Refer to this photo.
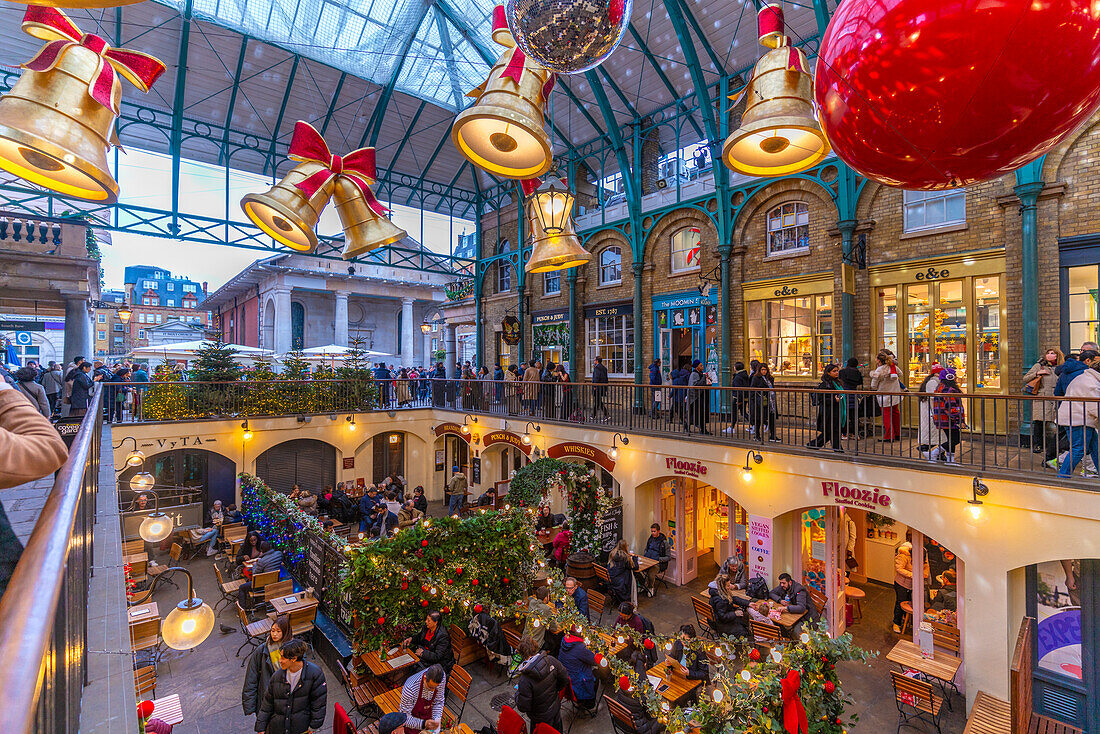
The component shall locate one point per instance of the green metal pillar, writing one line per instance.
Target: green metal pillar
(1029, 232)
(725, 376)
(521, 292)
(571, 278)
(479, 318)
(639, 320)
(847, 300)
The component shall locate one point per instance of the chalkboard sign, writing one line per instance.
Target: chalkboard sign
(314, 564)
(475, 470)
(610, 531)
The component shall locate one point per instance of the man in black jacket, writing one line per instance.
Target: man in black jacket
(599, 393)
(656, 547)
(432, 644)
(296, 698)
(794, 598)
(540, 680)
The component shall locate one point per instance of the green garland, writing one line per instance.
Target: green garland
(278, 519)
(447, 564)
(532, 484)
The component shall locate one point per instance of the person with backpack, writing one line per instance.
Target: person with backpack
(677, 411)
(1081, 380)
(699, 398)
(540, 679)
(949, 416)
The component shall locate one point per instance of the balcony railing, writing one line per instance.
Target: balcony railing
(990, 432)
(43, 638)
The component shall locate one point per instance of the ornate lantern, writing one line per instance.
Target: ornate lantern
(554, 244)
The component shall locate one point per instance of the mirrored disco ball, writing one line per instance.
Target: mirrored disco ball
(568, 36)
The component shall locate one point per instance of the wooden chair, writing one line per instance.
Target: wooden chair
(254, 632)
(704, 616)
(145, 635)
(765, 635)
(989, 715)
(260, 581)
(187, 545)
(234, 536)
(145, 681)
(228, 588)
(596, 602)
(361, 691)
(301, 622)
(915, 700)
(622, 721)
(602, 575)
(465, 648)
(130, 547)
(277, 589)
(907, 608)
(571, 698)
(138, 572)
(819, 600)
(458, 687)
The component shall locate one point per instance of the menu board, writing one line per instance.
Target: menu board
(314, 563)
(610, 531)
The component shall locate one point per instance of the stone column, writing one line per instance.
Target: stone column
(426, 358)
(281, 327)
(407, 331)
(78, 330)
(451, 347)
(340, 335)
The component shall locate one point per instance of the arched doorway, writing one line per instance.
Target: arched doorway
(211, 473)
(388, 456)
(306, 462)
(297, 325)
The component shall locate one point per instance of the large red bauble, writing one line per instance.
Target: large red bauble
(929, 94)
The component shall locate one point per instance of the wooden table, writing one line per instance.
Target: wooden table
(678, 687)
(390, 701)
(645, 563)
(379, 667)
(284, 607)
(941, 665)
(786, 620)
(142, 612)
(168, 709)
(135, 558)
(615, 647)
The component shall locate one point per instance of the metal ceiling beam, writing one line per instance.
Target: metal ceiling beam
(178, 104)
(618, 93)
(332, 104)
(702, 91)
(282, 111)
(663, 77)
(449, 56)
(427, 167)
(633, 197)
(715, 59)
(408, 133)
(374, 126)
(224, 155)
(821, 12)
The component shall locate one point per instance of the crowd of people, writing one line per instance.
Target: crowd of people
(61, 392)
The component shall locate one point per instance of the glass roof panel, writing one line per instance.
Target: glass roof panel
(366, 37)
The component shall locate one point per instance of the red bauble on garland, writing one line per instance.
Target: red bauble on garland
(478, 609)
(145, 709)
(624, 682)
(754, 654)
(423, 602)
(474, 582)
(829, 686)
(922, 94)
(648, 643)
(424, 543)
(381, 621)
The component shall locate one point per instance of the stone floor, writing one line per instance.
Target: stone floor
(209, 678)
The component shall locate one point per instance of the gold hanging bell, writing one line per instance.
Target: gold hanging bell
(285, 213)
(53, 134)
(364, 229)
(554, 243)
(779, 131)
(504, 132)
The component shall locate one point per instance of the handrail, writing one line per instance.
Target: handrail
(31, 605)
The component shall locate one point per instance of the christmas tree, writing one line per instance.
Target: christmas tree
(215, 363)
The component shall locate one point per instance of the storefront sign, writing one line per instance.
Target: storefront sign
(681, 302)
(349, 462)
(868, 499)
(760, 547)
(786, 291)
(509, 330)
(451, 429)
(582, 451)
(506, 437)
(933, 274)
(686, 468)
(544, 318)
(183, 517)
(621, 309)
(16, 325)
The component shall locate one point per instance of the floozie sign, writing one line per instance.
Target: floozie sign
(868, 499)
(760, 547)
(686, 468)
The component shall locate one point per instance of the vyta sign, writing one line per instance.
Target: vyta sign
(868, 499)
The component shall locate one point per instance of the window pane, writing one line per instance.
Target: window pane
(950, 330)
(1082, 279)
(788, 228)
(1058, 607)
(987, 323)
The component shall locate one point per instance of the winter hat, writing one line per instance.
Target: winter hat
(696, 363)
(947, 375)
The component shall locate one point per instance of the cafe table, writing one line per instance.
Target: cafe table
(142, 612)
(301, 600)
(645, 563)
(942, 666)
(676, 688)
(168, 709)
(381, 668)
(135, 558)
(390, 701)
(615, 647)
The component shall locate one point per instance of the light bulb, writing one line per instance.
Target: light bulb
(719, 652)
(247, 435)
(746, 475)
(536, 623)
(188, 626)
(155, 528)
(135, 458)
(718, 695)
(465, 429)
(975, 511)
(777, 656)
(805, 637)
(620, 639)
(527, 439)
(351, 426)
(746, 675)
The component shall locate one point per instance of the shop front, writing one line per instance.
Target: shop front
(686, 325)
(1079, 271)
(503, 455)
(789, 324)
(592, 457)
(452, 453)
(550, 330)
(949, 310)
(609, 333)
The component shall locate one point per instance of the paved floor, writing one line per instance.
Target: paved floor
(209, 678)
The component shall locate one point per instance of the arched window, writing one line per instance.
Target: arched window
(685, 250)
(789, 228)
(504, 268)
(611, 265)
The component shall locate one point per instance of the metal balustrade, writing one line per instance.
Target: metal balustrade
(996, 432)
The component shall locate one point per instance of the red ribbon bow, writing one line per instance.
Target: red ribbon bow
(358, 166)
(794, 713)
(61, 34)
(518, 62)
(529, 185)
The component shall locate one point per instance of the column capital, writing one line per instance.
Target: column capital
(340, 293)
(406, 301)
(281, 288)
(847, 226)
(1028, 193)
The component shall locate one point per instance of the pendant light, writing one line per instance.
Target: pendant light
(156, 526)
(554, 243)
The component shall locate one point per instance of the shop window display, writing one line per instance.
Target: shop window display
(685, 250)
(1082, 298)
(1058, 608)
(813, 549)
(788, 228)
(793, 335)
(612, 337)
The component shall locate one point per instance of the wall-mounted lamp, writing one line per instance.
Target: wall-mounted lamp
(156, 526)
(125, 313)
(527, 432)
(247, 435)
(746, 471)
(425, 327)
(974, 505)
(466, 420)
(142, 482)
(614, 454)
(395, 438)
(190, 622)
(135, 457)
(351, 422)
